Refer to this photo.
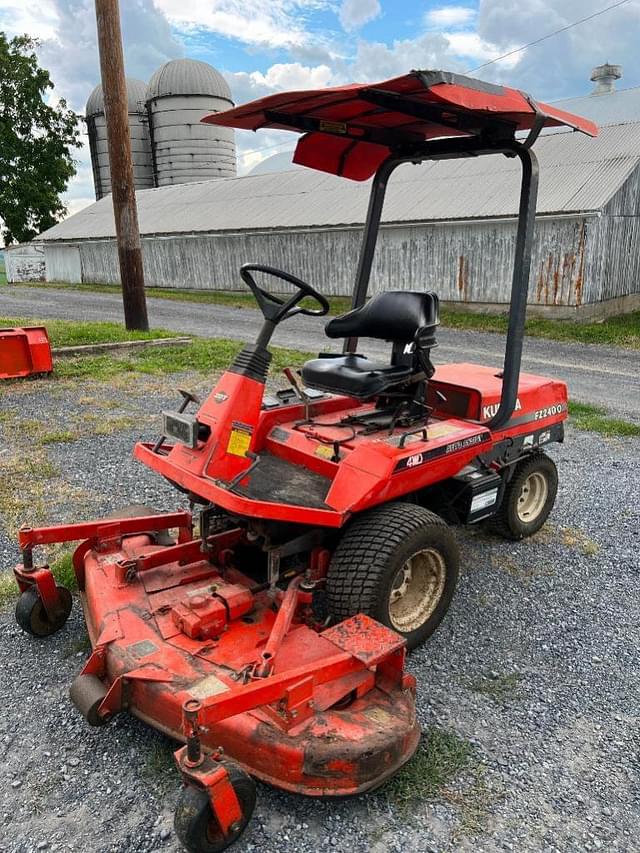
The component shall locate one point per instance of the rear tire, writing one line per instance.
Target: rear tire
(397, 563)
(528, 498)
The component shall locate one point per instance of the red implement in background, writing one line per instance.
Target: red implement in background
(24, 352)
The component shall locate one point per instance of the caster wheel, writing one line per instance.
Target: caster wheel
(33, 618)
(87, 693)
(195, 822)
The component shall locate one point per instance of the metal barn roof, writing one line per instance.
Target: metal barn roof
(578, 175)
(622, 105)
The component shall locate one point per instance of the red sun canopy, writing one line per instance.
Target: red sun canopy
(351, 130)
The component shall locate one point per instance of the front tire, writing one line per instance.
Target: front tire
(34, 619)
(397, 563)
(528, 498)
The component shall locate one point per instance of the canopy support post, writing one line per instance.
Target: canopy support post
(519, 286)
(369, 239)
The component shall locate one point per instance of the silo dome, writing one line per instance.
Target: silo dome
(178, 96)
(138, 130)
(188, 77)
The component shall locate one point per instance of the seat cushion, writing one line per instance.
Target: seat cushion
(396, 315)
(353, 375)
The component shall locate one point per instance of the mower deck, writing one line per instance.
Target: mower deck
(299, 740)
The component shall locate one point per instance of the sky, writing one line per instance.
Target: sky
(265, 46)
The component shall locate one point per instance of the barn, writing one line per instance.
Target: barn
(447, 226)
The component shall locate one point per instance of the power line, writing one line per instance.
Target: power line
(548, 36)
(265, 148)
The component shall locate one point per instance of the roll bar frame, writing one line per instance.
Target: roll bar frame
(454, 148)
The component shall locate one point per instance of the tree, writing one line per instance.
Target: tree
(36, 143)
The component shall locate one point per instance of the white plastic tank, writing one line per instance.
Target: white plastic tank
(179, 95)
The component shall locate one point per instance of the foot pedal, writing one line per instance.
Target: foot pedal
(364, 638)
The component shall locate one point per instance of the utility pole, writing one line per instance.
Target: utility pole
(122, 187)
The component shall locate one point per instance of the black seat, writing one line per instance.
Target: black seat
(405, 318)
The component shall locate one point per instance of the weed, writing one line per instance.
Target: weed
(64, 572)
(80, 644)
(441, 756)
(8, 588)
(498, 688)
(574, 538)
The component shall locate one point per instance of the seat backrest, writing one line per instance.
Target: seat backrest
(392, 316)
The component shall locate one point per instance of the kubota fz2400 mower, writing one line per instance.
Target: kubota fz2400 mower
(272, 642)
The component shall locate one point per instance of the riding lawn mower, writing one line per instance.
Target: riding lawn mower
(266, 628)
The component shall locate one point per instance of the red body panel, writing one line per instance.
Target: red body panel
(24, 352)
(373, 468)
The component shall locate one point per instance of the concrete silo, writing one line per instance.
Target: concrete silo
(179, 94)
(140, 141)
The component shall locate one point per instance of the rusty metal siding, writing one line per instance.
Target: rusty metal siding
(463, 262)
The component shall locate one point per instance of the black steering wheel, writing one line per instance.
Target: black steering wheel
(273, 307)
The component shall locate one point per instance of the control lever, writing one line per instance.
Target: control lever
(300, 393)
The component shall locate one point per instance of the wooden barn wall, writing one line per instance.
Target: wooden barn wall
(616, 270)
(463, 262)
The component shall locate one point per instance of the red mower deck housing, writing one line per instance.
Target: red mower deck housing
(332, 712)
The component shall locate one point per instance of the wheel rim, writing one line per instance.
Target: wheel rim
(417, 588)
(533, 497)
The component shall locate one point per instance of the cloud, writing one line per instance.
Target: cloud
(559, 66)
(67, 29)
(354, 13)
(264, 23)
(449, 16)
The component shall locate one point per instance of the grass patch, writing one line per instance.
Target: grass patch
(62, 570)
(202, 356)
(524, 574)
(67, 333)
(61, 436)
(498, 688)
(81, 644)
(8, 588)
(595, 419)
(159, 766)
(621, 331)
(445, 767)
(442, 755)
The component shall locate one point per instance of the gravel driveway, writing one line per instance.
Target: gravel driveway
(536, 665)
